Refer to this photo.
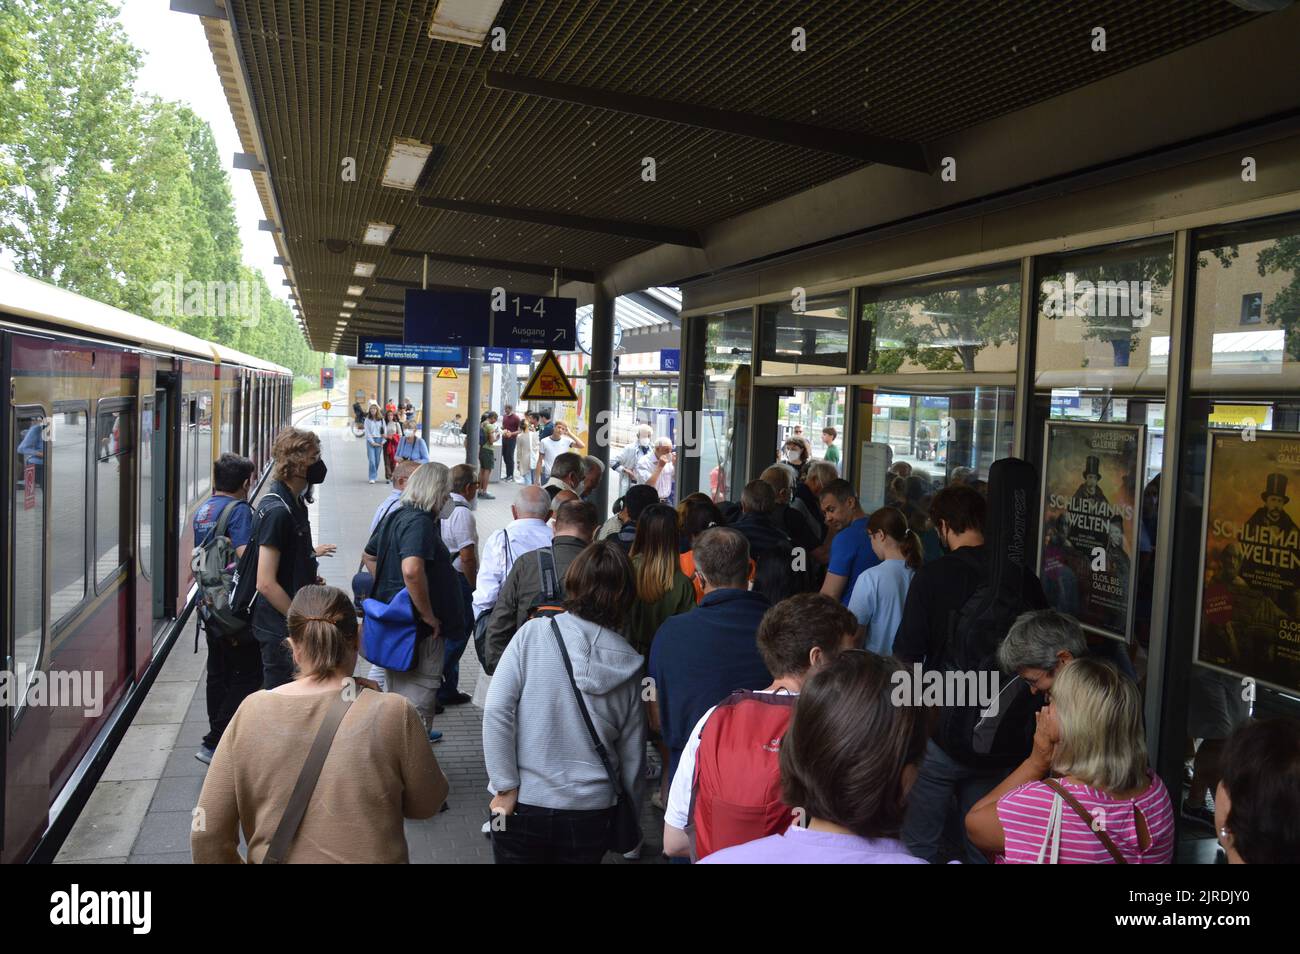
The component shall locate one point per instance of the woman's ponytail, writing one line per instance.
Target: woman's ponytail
(891, 522)
(913, 551)
(322, 625)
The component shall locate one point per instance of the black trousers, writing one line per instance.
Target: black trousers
(508, 453)
(277, 660)
(551, 836)
(233, 673)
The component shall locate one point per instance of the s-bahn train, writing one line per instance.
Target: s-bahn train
(109, 429)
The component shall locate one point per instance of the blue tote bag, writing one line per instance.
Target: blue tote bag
(389, 631)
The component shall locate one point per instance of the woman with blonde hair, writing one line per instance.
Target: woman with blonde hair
(1105, 805)
(662, 589)
(377, 770)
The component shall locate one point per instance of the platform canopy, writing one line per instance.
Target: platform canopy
(625, 143)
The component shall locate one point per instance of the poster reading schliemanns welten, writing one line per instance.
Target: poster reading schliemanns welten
(1088, 556)
(1249, 621)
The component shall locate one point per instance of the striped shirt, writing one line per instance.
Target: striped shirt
(1025, 811)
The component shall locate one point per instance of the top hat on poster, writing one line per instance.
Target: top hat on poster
(1275, 486)
(1093, 467)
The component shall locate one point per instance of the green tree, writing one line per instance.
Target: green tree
(944, 330)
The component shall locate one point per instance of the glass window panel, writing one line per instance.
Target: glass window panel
(814, 340)
(203, 447)
(1247, 306)
(929, 438)
(724, 424)
(805, 414)
(27, 507)
(1103, 316)
(67, 460)
(145, 504)
(227, 422)
(112, 507)
(967, 322)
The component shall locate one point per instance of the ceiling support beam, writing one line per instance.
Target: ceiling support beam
(526, 268)
(651, 303)
(856, 145)
(642, 231)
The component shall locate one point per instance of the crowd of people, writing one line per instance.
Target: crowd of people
(736, 663)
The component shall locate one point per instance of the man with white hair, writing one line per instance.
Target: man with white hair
(631, 456)
(528, 531)
(406, 551)
(657, 467)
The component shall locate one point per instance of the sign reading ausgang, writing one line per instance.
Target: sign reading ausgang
(391, 351)
(490, 319)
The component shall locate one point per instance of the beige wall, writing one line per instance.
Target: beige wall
(366, 380)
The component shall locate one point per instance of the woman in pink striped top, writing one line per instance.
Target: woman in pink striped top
(1091, 737)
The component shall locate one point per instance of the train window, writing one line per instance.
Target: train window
(227, 421)
(145, 505)
(203, 447)
(67, 463)
(113, 443)
(27, 510)
(187, 438)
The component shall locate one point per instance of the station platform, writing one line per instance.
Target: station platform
(140, 812)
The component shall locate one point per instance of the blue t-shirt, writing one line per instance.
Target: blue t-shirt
(240, 527)
(851, 555)
(877, 602)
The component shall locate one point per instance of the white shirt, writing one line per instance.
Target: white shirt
(459, 530)
(525, 535)
(391, 503)
(646, 466)
(678, 810)
(552, 449)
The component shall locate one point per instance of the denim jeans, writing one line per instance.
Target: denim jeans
(374, 455)
(930, 806)
(551, 836)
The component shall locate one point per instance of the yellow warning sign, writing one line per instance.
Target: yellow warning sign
(548, 382)
(325, 405)
(447, 373)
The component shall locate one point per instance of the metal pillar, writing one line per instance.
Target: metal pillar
(473, 411)
(426, 402)
(383, 388)
(401, 384)
(600, 388)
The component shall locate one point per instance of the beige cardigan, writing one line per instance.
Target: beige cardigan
(380, 770)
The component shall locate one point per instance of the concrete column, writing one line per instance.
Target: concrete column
(401, 384)
(383, 388)
(600, 389)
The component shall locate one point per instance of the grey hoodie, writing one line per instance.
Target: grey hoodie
(534, 738)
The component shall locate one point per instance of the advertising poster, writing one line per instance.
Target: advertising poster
(1249, 620)
(1089, 527)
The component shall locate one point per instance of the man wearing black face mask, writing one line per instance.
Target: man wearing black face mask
(286, 558)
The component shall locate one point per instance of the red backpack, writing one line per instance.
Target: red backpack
(736, 792)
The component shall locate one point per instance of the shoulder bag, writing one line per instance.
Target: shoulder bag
(625, 826)
(303, 789)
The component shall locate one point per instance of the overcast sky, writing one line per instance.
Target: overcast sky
(176, 64)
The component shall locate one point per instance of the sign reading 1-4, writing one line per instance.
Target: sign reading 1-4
(534, 321)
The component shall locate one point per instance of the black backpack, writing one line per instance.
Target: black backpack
(968, 733)
(550, 601)
(243, 585)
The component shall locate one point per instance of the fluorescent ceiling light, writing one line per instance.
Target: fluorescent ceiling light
(349, 304)
(364, 269)
(355, 290)
(406, 161)
(344, 315)
(464, 21)
(377, 233)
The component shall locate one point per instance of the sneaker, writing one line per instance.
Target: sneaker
(435, 735)
(372, 481)
(484, 495)
(204, 754)
(439, 708)
(634, 854)
(653, 771)
(487, 828)
(456, 699)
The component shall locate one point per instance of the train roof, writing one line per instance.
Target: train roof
(32, 298)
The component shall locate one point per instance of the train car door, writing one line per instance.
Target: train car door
(164, 501)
